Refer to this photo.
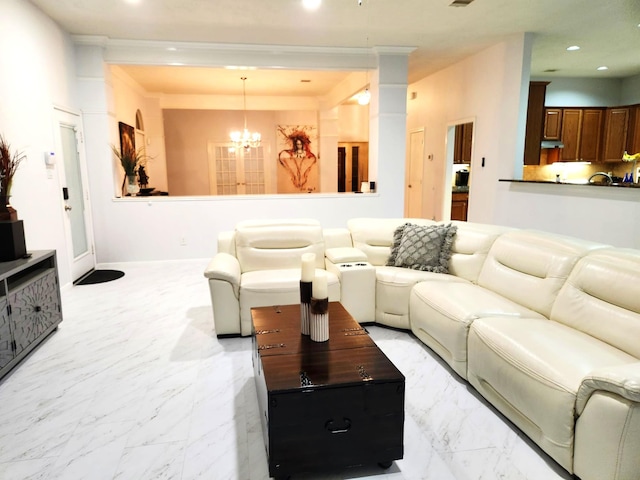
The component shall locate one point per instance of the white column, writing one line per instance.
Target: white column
(388, 125)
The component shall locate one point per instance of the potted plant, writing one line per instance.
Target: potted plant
(9, 163)
(130, 159)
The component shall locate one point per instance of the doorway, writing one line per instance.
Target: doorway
(236, 171)
(353, 165)
(72, 171)
(458, 170)
(413, 190)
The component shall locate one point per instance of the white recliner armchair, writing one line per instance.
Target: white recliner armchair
(259, 264)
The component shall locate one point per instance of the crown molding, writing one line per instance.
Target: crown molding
(149, 52)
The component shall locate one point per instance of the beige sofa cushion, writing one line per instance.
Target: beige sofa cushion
(393, 288)
(277, 244)
(531, 370)
(602, 298)
(262, 288)
(442, 312)
(470, 248)
(374, 236)
(529, 267)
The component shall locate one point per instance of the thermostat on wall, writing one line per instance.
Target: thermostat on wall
(50, 158)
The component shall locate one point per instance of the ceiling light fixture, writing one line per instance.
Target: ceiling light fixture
(603, 67)
(311, 4)
(573, 48)
(365, 97)
(245, 139)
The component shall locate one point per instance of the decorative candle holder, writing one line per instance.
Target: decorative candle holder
(319, 321)
(305, 306)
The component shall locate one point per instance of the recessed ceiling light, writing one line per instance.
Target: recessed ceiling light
(573, 48)
(311, 4)
(172, 49)
(603, 68)
(239, 67)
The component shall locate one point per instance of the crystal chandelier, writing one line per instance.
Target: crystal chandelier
(245, 139)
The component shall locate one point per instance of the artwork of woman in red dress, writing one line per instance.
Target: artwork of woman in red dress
(298, 161)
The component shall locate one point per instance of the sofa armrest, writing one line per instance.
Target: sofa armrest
(344, 255)
(622, 380)
(224, 267)
(357, 281)
(226, 242)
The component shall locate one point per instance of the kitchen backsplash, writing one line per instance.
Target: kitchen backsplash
(573, 171)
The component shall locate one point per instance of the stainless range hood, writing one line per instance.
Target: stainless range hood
(551, 144)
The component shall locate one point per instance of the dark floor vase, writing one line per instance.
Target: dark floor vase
(12, 244)
(7, 212)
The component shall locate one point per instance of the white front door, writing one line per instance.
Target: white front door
(75, 192)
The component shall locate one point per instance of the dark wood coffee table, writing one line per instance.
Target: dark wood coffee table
(326, 405)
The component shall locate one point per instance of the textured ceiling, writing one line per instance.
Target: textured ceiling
(607, 31)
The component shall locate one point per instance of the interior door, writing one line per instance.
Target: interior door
(236, 171)
(413, 194)
(71, 166)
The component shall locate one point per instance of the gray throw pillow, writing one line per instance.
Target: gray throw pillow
(426, 248)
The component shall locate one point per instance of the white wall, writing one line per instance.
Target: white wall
(353, 123)
(582, 92)
(38, 72)
(591, 92)
(486, 88)
(606, 215)
(188, 132)
(128, 99)
(630, 91)
(134, 229)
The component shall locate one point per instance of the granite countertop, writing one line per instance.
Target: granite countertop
(574, 182)
(456, 189)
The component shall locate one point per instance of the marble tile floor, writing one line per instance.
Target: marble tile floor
(135, 385)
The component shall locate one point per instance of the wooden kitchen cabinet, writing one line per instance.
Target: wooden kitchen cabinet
(615, 133)
(633, 134)
(535, 120)
(591, 134)
(571, 124)
(552, 123)
(459, 206)
(581, 134)
(462, 143)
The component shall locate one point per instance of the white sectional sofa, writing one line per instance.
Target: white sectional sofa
(257, 265)
(545, 327)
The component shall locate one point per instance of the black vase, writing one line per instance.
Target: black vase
(7, 212)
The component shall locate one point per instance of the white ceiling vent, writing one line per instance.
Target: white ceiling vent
(460, 3)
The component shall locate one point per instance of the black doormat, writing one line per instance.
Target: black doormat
(99, 276)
